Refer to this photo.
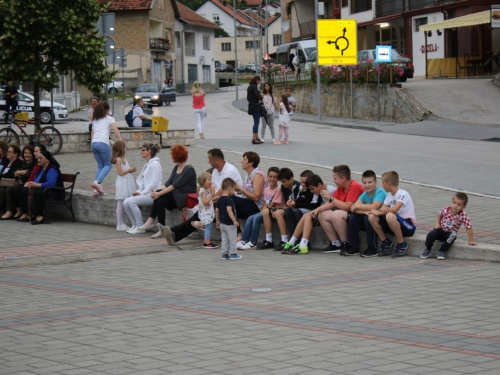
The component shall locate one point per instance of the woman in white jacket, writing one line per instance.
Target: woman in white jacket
(150, 179)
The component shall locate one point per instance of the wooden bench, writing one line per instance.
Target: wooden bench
(50, 198)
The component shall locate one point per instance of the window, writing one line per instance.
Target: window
(206, 73)
(276, 40)
(206, 42)
(336, 4)
(216, 17)
(358, 6)
(249, 44)
(192, 73)
(419, 22)
(345, 3)
(226, 46)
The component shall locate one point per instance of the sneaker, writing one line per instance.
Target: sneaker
(280, 247)
(441, 255)
(298, 250)
(370, 252)
(248, 246)
(132, 227)
(235, 256)
(385, 248)
(136, 230)
(344, 247)
(146, 227)
(209, 245)
(277, 142)
(225, 256)
(97, 186)
(240, 244)
(286, 142)
(331, 249)
(351, 251)
(167, 233)
(274, 140)
(122, 228)
(266, 245)
(425, 254)
(288, 246)
(262, 140)
(95, 193)
(400, 250)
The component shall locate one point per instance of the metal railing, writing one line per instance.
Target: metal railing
(291, 77)
(388, 7)
(159, 43)
(189, 51)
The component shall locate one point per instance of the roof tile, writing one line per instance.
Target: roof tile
(194, 18)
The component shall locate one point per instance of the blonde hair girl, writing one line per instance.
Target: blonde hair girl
(199, 106)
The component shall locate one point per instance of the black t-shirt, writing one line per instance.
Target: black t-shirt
(222, 204)
(292, 193)
(11, 90)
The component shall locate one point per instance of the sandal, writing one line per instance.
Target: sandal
(256, 141)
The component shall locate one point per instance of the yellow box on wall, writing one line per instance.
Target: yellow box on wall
(159, 124)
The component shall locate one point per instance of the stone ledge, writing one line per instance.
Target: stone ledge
(102, 210)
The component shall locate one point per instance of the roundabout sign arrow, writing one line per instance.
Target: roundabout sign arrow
(337, 42)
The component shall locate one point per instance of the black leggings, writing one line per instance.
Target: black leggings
(292, 218)
(160, 204)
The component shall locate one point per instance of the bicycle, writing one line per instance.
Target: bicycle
(47, 135)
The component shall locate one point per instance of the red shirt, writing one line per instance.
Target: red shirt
(198, 101)
(452, 223)
(353, 192)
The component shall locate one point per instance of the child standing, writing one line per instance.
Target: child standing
(205, 208)
(225, 217)
(125, 185)
(396, 217)
(284, 119)
(447, 225)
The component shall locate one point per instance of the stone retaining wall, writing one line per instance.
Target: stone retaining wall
(397, 105)
(77, 142)
(102, 210)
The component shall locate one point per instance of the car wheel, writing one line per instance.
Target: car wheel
(160, 103)
(46, 116)
(403, 78)
(113, 91)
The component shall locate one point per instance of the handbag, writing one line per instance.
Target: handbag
(6, 182)
(191, 200)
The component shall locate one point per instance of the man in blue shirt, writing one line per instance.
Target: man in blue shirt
(371, 199)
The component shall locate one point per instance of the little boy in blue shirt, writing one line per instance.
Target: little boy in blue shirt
(371, 199)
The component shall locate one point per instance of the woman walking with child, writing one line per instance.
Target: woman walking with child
(125, 185)
(284, 119)
(199, 106)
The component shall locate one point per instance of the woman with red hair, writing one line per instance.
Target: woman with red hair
(173, 195)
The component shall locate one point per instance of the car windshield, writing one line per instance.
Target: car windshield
(147, 88)
(309, 51)
(396, 55)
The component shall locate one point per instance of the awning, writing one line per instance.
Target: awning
(464, 21)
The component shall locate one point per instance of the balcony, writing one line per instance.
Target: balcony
(159, 44)
(389, 7)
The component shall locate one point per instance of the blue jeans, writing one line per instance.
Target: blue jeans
(256, 121)
(208, 228)
(252, 228)
(102, 154)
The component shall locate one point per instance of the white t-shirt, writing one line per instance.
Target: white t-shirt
(407, 210)
(228, 171)
(137, 113)
(101, 129)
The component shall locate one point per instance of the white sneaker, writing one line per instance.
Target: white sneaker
(122, 228)
(131, 228)
(157, 235)
(274, 140)
(97, 186)
(95, 193)
(146, 227)
(248, 246)
(262, 141)
(136, 230)
(240, 245)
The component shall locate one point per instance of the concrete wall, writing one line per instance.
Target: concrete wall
(396, 104)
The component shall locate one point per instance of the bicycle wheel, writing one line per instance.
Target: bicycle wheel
(51, 138)
(10, 136)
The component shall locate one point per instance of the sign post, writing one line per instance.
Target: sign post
(382, 54)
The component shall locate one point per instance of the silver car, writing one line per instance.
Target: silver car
(150, 93)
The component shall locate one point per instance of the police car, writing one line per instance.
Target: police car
(25, 103)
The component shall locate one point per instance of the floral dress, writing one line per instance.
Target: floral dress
(248, 185)
(205, 212)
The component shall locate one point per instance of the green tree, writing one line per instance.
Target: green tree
(220, 33)
(42, 39)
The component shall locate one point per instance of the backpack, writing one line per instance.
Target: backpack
(129, 117)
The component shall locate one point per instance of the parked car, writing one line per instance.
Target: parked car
(113, 87)
(241, 69)
(228, 68)
(398, 60)
(26, 103)
(150, 93)
(251, 68)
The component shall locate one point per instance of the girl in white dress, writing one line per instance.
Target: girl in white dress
(205, 208)
(284, 119)
(125, 185)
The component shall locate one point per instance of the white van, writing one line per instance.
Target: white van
(303, 48)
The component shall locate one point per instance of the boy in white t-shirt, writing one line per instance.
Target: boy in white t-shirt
(396, 217)
(140, 119)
